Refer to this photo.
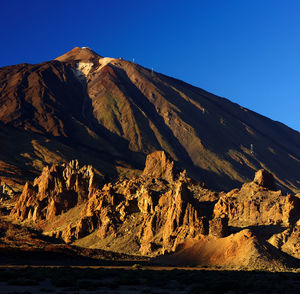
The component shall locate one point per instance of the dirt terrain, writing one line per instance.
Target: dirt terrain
(137, 279)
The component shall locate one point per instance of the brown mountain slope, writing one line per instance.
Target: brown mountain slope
(44, 119)
(209, 135)
(113, 107)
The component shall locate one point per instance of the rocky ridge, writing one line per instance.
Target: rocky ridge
(157, 212)
(58, 189)
(256, 205)
(159, 201)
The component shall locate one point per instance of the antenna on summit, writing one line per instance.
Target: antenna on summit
(152, 71)
(132, 60)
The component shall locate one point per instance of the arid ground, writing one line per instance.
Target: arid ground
(144, 279)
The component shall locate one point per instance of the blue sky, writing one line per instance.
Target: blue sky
(245, 50)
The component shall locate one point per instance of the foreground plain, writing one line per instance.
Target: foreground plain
(143, 279)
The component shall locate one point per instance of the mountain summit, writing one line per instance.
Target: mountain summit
(83, 54)
(112, 113)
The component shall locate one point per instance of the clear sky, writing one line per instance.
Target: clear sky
(245, 50)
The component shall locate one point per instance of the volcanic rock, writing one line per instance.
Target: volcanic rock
(161, 211)
(264, 179)
(219, 227)
(255, 205)
(6, 192)
(288, 241)
(58, 189)
(175, 219)
(162, 218)
(158, 208)
(159, 165)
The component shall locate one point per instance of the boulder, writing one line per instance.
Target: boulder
(159, 165)
(264, 179)
(219, 227)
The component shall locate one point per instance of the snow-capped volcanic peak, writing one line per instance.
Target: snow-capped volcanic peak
(82, 54)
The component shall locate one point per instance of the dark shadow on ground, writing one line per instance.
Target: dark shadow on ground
(261, 231)
(64, 255)
(155, 280)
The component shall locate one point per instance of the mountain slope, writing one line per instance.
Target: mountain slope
(122, 109)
